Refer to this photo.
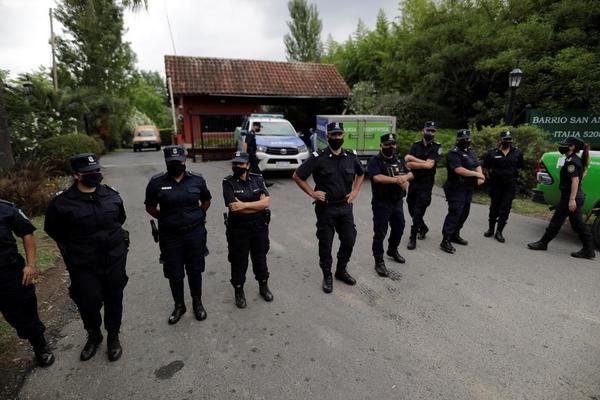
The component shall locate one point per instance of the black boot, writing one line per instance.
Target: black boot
(396, 256)
(91, 346)
(199, 311)
(590, 254)
(342, 275)
(423, 232)
(412, 240)
(498, 234)
(447, 246)
(43, 354)
(541, 244)
(327, 282)
(113, 346)
(263, 289)
(177, 313)
(490, 231)
(380, 267)
(458, 240)
(240, 296)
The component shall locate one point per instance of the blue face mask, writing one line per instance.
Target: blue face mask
(91, 180)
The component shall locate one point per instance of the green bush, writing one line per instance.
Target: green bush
(531, 140)
(56, 151)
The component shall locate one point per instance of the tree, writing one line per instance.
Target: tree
(303, 43)
(6, 155)
(149, 95)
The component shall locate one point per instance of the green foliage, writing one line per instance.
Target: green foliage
(149, 95)
(303, 43)
(56, 151)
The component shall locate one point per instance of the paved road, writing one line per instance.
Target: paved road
(490, 322)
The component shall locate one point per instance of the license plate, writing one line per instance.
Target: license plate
(282, 163)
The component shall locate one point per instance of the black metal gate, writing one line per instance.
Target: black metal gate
(213, 134)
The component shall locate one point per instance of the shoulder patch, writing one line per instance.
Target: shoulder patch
(7, 203)
(60, 192)
(315, 153)
(160, 174)
(228, 177)
(111, 188)
(571, 168)
(192, 173)
(418, 141)
(439, 150)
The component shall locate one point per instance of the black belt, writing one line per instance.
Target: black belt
(182, 228)
(332, 203)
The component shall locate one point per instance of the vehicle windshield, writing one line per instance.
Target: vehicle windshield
(146, 133)
(272, 128)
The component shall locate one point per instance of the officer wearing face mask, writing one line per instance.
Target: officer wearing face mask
(572, 197)
(389, 182)
(249, 147)
(338, 176)
(502, 166)
(86, 222)
(248, 201)
(179, 199)
(464, 172)
(422, 161)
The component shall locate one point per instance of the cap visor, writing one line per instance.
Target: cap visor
(389, 142)
(239, 160)
(175, 158)
(89, 168)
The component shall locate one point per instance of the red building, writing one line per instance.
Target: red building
(213, 95)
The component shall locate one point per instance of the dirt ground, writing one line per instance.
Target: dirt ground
(56, 309)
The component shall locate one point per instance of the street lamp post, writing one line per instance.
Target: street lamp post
(514, 80)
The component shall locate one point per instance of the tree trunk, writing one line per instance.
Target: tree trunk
(6, 156)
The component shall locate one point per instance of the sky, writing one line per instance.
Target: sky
(249, 29)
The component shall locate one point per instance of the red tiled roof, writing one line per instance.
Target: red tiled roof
(217, 76)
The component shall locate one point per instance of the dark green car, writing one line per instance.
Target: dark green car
(548, 175)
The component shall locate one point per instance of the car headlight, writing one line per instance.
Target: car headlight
(302, 149)
(262, 149)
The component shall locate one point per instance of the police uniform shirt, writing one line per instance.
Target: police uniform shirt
(12, 220)
(179, 201)
(379, 165)
(572, 168)
(251, 143)
(248, 190)
(503, 168)
(88, 227)
(461, 158)
(332, 174)
(422, 151)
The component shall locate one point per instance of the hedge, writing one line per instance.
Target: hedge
(57, 151)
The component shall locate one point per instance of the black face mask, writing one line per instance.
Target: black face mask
(505, 145)
(463, 144)
(335, 144)
(428, 136)
(91, 180)
(388, 151)
(175, 170)
(238, 171)
(563, 149)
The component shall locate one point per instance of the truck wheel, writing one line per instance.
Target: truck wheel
(596, 231)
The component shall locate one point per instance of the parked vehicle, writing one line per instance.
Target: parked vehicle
(548, 175)
(146, 137)
(278, 145)
(362, 132)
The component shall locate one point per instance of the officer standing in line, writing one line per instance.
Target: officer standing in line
(571, 199)
(249, 147)
(338, 176)
(389, 182)
(502, 166)
(179, 199)
(18, 302)
(464, 172)
(422, 161)
(248, 201)
(86, 222)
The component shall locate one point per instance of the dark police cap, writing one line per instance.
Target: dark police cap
(430, 126)
(174, 153)
(388, 138)
(85, 162)
(506, 136)
(572, 140)
(462, 134)
(335, 127)
(240, 157)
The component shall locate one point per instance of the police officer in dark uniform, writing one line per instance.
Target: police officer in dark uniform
(464, 172)
(250, 148)
(86, 222)
(422, 161)
(389, 182)
(18, 302)
(571, 199)
(179, 200)
(502, 166)
(247, 199)
(338, 176)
